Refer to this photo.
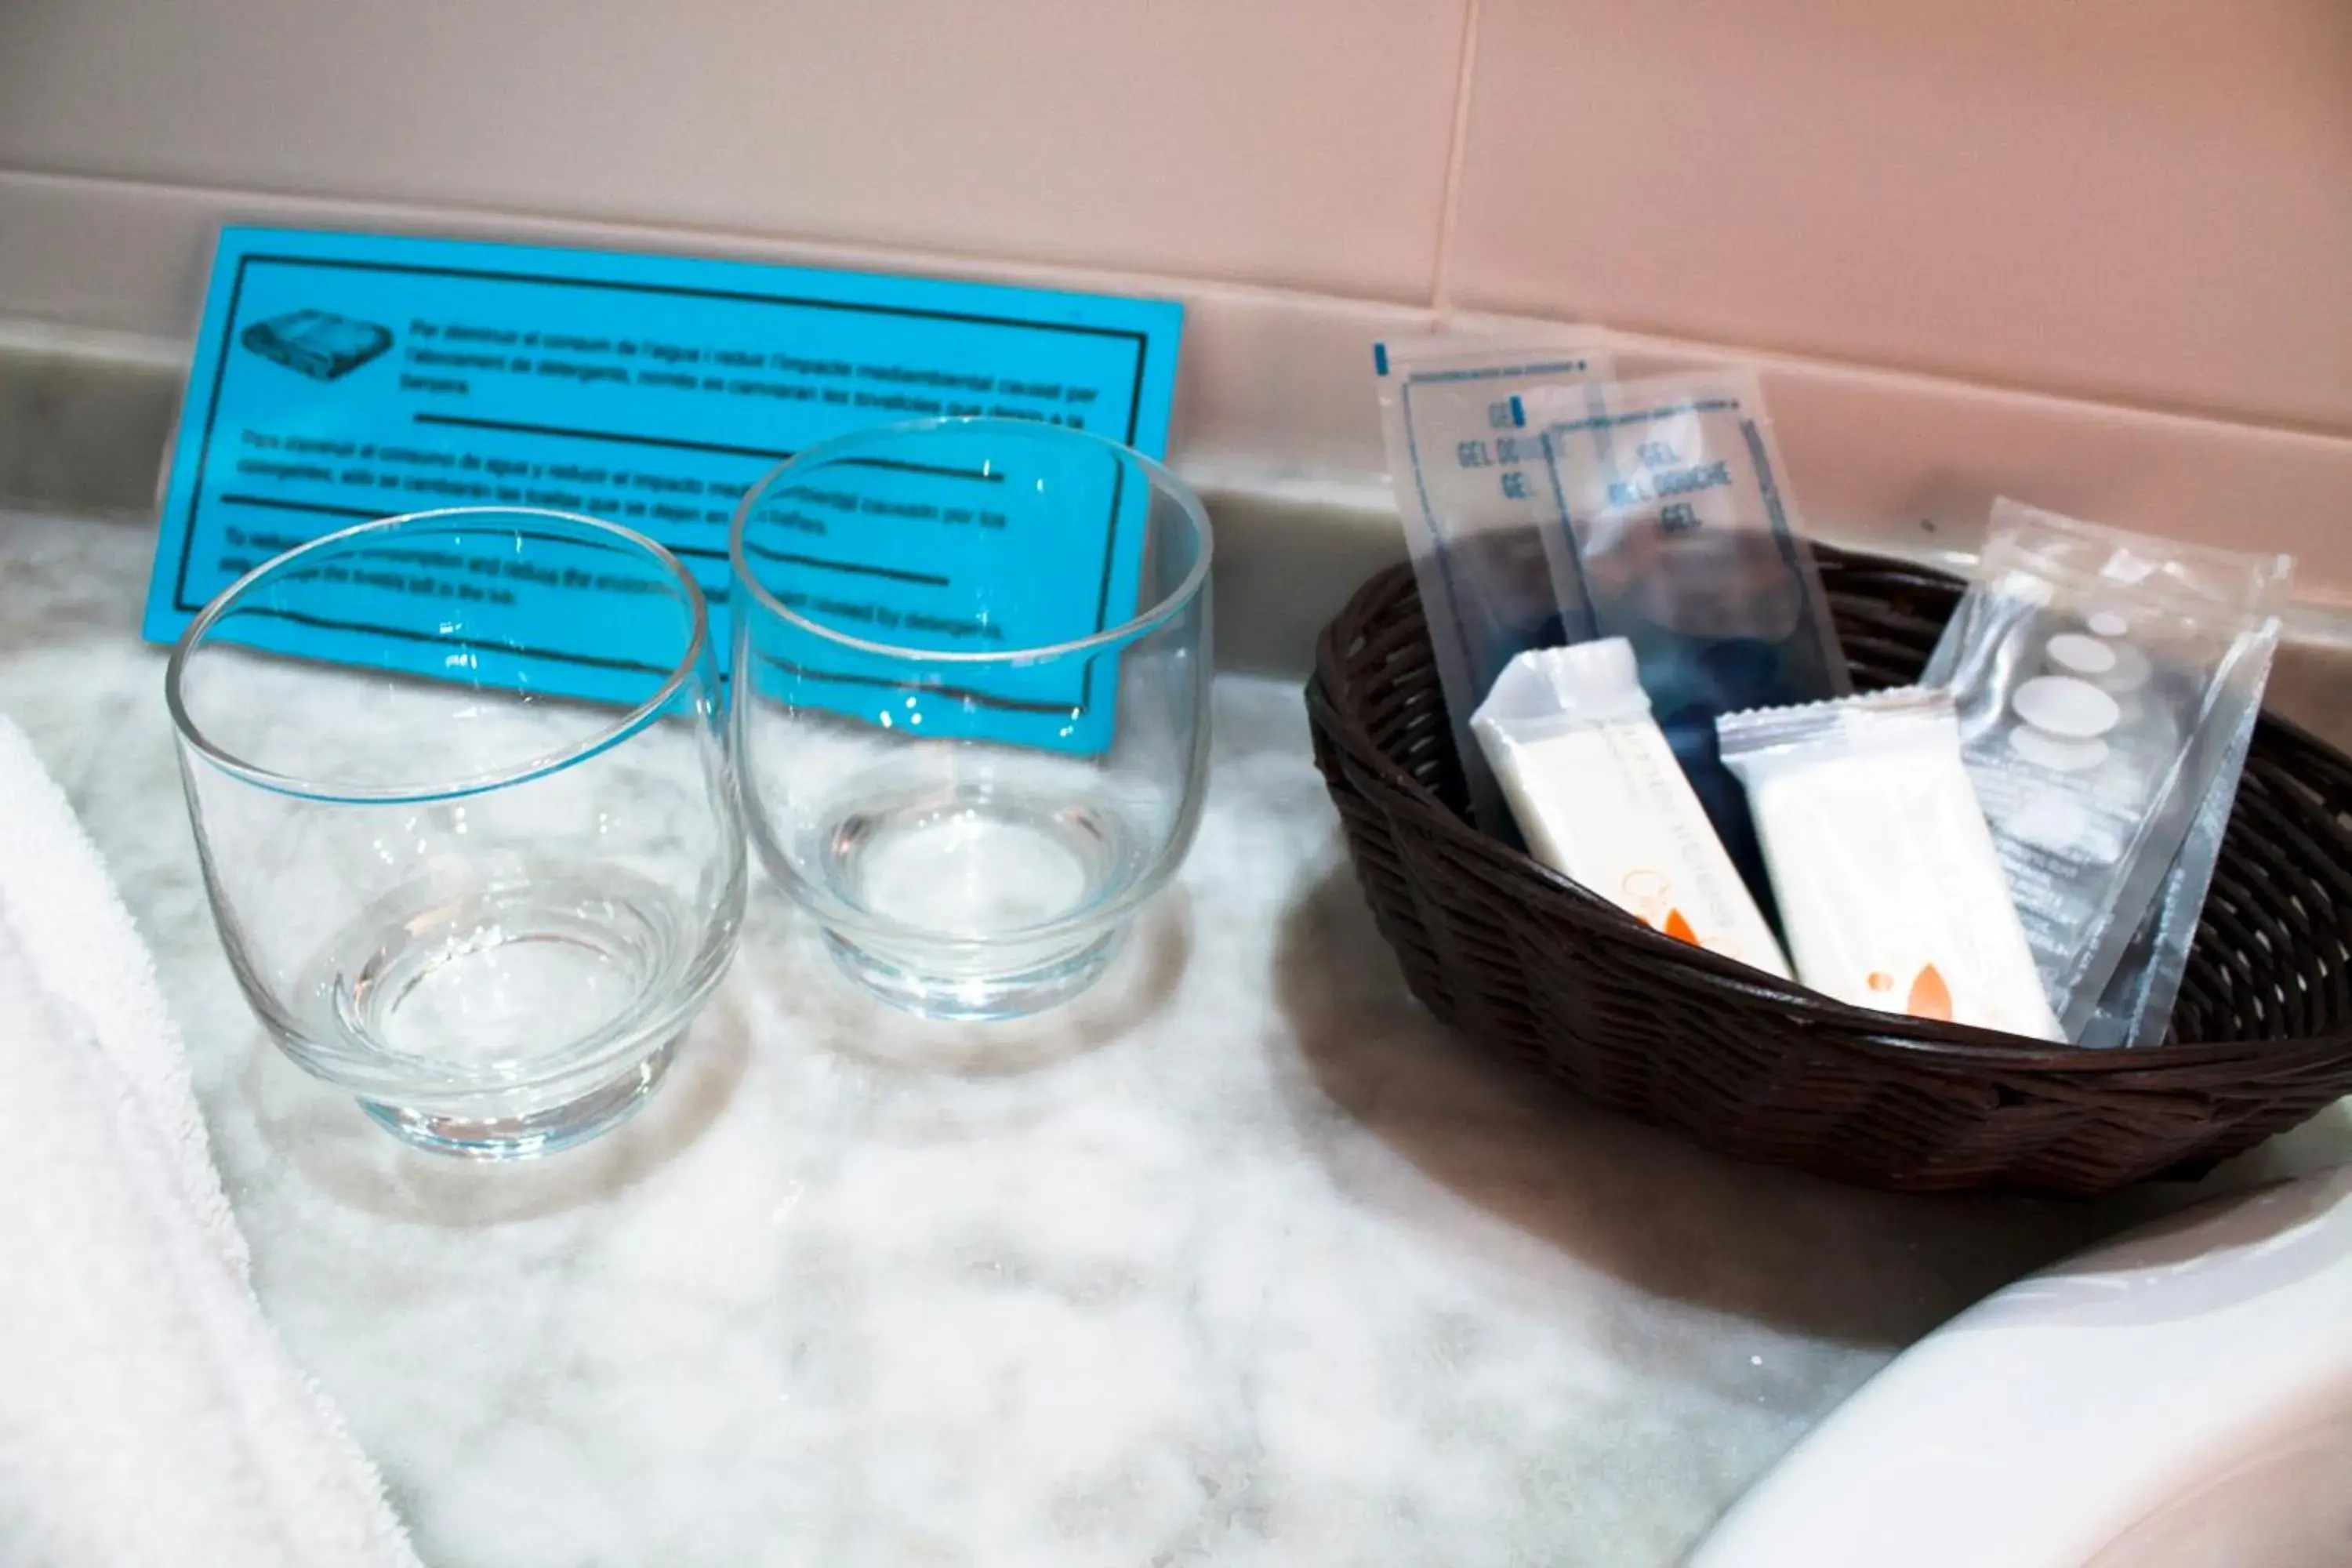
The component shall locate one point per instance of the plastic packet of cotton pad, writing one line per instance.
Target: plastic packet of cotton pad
(2136, 1007)
(1475, 501)
(1891, 895)
(1677, 525)
(2103, 682)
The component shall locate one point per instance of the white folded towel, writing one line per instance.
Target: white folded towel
(148, 1413)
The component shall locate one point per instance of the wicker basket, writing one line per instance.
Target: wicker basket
(1527, 962)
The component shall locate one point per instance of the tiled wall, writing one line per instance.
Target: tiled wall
(1297, 144)
(2099, 251)
(2148, 200)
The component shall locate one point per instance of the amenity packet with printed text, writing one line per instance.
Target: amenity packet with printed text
(1890, 892)
(2106, 683)
(1673, 522)
(1476, 503)
(1600, 799)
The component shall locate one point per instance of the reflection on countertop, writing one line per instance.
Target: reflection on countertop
(1241, 1259)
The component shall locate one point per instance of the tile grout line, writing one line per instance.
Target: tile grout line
(37, 336)
(277, 208)
(1440, 280)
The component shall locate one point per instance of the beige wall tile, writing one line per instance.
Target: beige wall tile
(1301, 144)
(1276, 412)
(1274, 386)
(2147, 200)
(1891, 460)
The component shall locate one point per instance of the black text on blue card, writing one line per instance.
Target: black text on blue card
(341, 378)
(1036, 544)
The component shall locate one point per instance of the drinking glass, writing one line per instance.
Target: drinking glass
(461, 794)
(971, 703)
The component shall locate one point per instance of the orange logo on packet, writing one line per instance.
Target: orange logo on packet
(1646, 893)
(1930, 997)
(1650, 897)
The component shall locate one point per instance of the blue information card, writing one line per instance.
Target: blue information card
(342, 377)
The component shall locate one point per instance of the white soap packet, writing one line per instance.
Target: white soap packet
(1476, 503)
(1891, 895)
(2106, 684)
(1599, 797)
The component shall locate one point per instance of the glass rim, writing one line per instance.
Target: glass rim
(1142, 623)
(637, 719)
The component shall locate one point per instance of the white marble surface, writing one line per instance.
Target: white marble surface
(1241, 1260)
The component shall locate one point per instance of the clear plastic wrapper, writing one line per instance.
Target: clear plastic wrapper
(1675, 523)
(2136, 1007)
(1476, 503)
(2104, 682)
(1891, 895)
(1599, 797)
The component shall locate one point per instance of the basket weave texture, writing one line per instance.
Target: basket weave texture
(1526, 963)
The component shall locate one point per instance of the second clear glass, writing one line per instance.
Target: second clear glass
(971, 694)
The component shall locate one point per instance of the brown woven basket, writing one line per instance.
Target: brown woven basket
(1527, 962)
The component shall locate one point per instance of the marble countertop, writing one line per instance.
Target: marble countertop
(1239, 1260)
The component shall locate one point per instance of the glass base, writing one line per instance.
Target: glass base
(964, 996)
(541, 1131)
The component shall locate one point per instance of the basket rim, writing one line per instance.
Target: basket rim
(1894, 1038)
